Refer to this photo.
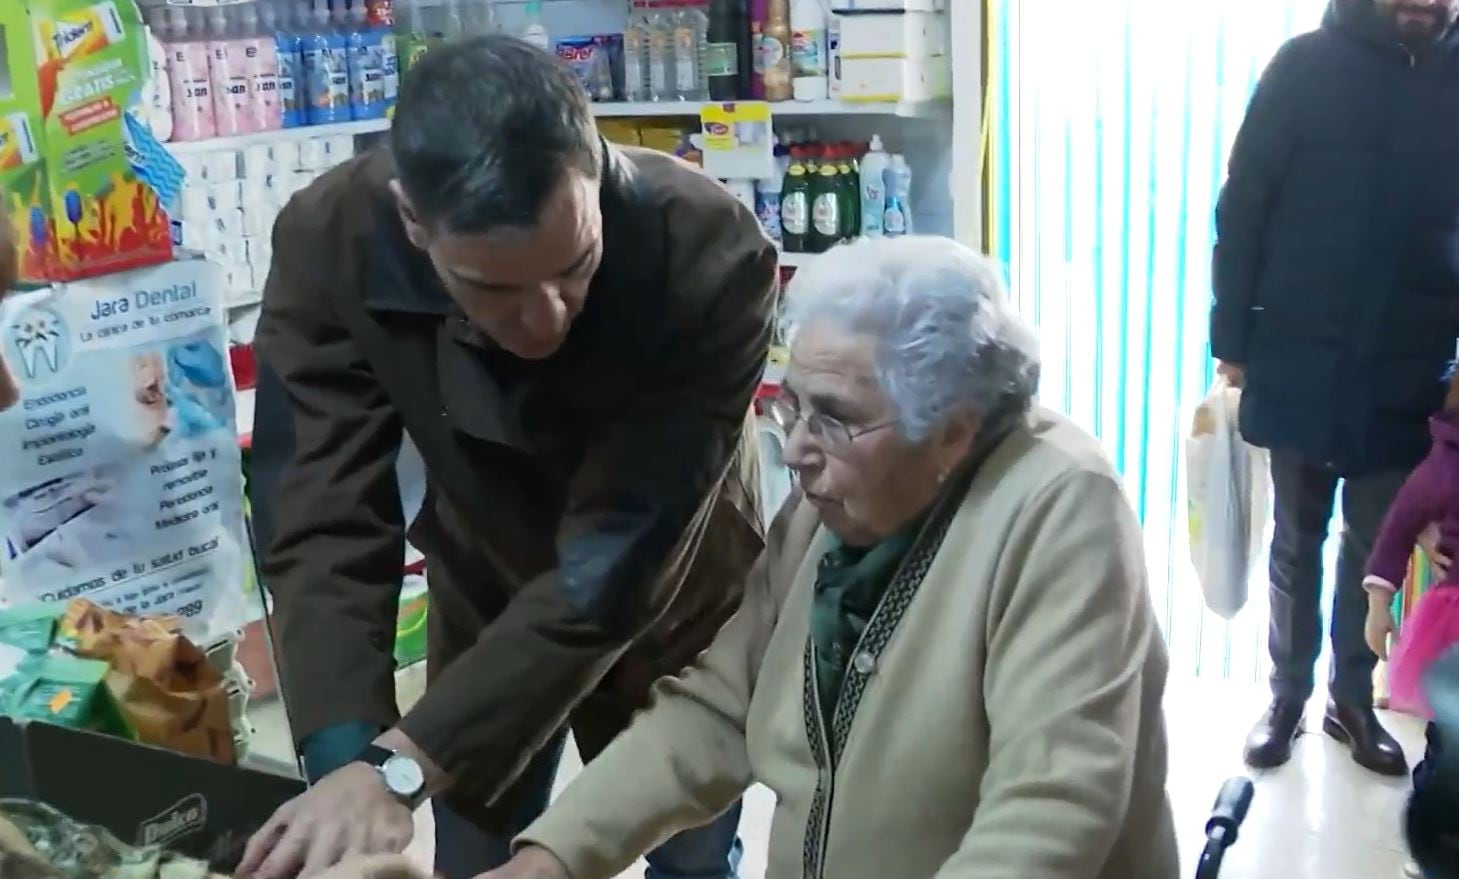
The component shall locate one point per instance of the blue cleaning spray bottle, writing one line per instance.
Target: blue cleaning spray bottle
(367, 77)
(326, 70)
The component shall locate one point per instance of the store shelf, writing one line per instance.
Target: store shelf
(627, 110)
(308, 132)
(685, 109)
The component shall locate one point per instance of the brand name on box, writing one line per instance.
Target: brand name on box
(189, 815)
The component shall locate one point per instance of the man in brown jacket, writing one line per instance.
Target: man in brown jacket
(571, 334)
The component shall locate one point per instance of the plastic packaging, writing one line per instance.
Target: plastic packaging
(193, 116)
(367, 77)
(261, 61)
(660, 52)
(412, 39)
(156, 109)
(636, 39)
(536, 32)
(873, 189)
(767, 201)
(1227, 492)
(691, 28)
(277, 18)
(826, 204)
(228, 70)
(897, 216)
(326, 70)
(808, 52)
(759, 14)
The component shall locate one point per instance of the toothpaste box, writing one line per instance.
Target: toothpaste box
(25, 199)
(101, 163)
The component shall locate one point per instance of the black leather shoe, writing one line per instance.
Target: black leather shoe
(1270, 742)
(1373, 748)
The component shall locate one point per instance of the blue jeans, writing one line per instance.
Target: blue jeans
(463, 850)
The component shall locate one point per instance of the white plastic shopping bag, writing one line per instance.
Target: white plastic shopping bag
(1228, 490)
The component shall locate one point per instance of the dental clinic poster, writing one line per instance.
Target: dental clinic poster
(120, 474)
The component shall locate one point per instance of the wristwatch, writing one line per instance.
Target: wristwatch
(402, 775)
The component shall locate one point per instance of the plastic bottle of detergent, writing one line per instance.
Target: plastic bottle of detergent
(228, 69)
(808, 50)
(367, 77)
(826, 204)
(261, 58)
(387, 50)
(897, 218)
(193, 116)
(873, 189)
(278, 18)
(326, 70)
(768, 192)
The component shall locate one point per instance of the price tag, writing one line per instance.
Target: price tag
(738, 144)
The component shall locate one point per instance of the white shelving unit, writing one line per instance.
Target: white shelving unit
(307, 132)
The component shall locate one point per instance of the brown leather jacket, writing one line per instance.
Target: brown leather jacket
(576, 508)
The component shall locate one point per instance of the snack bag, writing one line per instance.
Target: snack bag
(166, 689)
(62, 690)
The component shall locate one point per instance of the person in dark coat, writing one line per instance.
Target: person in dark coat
(1336, 280)
(571, 334)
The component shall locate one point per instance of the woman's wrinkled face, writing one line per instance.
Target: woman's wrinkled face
(866, 481)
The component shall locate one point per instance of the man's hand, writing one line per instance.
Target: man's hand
(349, 813)
(530, 863)
(376, 867)
(1233, 373)
(1428, 541)
(1380, 625)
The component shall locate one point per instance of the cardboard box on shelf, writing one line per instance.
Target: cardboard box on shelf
(87, 64)
(143, 795)
(26, 202)
(878, 80)
(894, 35)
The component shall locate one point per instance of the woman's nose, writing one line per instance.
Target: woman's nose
(546, 314)
(799, 451)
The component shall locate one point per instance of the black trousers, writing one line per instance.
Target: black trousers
(1305, 494)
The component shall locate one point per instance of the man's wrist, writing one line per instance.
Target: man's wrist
(398, 742)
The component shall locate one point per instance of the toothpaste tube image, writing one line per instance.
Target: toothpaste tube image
(17, 143)
(81, 33)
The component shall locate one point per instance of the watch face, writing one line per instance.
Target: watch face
(403, 776)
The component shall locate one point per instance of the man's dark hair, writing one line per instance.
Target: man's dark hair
(484, 131)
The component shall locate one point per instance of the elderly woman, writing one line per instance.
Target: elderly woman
(946, 663)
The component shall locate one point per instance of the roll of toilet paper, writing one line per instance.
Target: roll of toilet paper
(314, 154)
(228, 224)
(340, 149)
(286, 156)
(257, 160)
(219, 166)
(195, 203)
(225, 196)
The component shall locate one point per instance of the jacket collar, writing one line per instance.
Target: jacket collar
(1362, 20)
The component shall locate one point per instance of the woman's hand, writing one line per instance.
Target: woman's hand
(530, 863)
(1380, 625)
(1428, 541)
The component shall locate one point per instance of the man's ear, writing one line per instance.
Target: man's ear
(414, 229)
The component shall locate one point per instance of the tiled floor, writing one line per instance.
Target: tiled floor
(1320, 817)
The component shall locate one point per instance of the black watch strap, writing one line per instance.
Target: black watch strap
(374, 755)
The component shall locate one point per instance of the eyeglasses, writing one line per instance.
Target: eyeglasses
(829, 433)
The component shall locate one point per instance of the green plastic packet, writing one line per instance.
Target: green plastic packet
(65, 691)
(31, 627)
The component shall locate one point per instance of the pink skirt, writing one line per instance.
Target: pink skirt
(1433, 629)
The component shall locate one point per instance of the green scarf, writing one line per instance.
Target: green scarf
(850, 582)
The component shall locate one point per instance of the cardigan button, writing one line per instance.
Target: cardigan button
(864, 663)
